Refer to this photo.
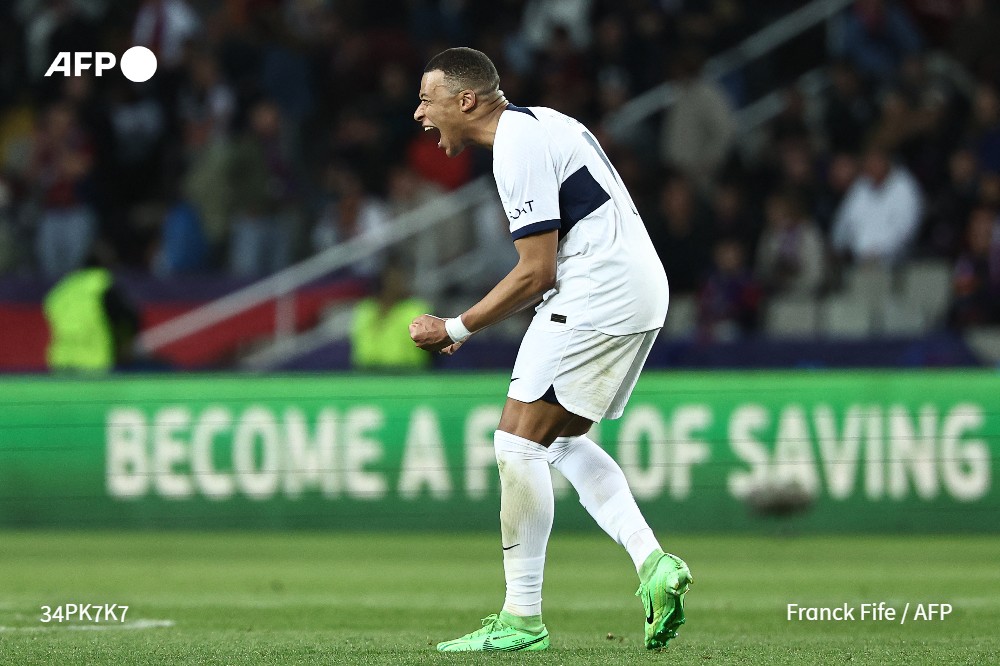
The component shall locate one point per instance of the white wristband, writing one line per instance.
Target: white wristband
(456, 329)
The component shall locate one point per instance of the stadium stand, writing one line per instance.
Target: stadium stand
(314, 99)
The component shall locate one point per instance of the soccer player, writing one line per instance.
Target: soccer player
(587, 262)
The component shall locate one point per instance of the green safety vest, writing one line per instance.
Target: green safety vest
(81, 336)
(383, 342)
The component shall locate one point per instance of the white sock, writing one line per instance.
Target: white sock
(526, 510)
(604, 493)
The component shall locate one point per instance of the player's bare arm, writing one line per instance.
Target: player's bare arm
(532, 276)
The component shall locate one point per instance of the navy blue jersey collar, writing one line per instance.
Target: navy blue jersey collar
(521, 109)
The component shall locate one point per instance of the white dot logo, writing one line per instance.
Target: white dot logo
(138, 64)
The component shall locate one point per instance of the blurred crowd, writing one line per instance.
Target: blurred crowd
(274, 129)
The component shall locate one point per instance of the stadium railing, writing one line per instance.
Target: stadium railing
(764, 41)
(418, 228)
(281, 287)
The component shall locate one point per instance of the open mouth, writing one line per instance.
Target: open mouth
(428, 128)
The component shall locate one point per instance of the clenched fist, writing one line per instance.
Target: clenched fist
(428, 332)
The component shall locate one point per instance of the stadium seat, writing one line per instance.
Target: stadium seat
(682, 316)
(791, 318)
(927, 283)
(871, 283)
(845, 316)
(985, 342)
(903, 317)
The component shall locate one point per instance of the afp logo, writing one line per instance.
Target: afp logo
(138, 63)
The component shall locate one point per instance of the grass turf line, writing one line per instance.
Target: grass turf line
(312, 598)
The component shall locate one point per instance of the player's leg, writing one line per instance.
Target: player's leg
(604, 492)
(526, 511)
(526, 501)
(596, 477)
(539, 421)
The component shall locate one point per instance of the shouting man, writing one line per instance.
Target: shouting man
(586, 260)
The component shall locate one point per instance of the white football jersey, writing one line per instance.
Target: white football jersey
(552, 174)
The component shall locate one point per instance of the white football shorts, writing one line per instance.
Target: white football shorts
(591, 373)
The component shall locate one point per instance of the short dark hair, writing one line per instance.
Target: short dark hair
(466, 69)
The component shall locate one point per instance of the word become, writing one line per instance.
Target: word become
(84, 612)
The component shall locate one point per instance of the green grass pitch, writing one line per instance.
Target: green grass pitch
(333, 598)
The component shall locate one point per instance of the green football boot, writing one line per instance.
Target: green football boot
(663, 600)
(497, 636)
